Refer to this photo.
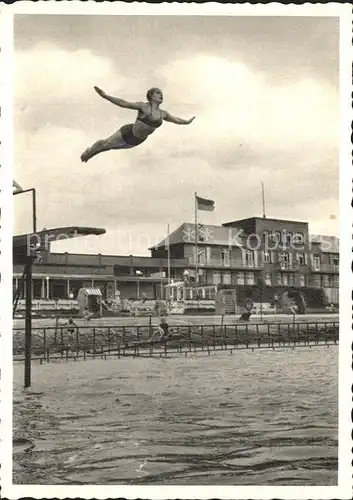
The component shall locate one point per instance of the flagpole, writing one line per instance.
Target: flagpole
(263, 200)
(168, 250)
(196, 243)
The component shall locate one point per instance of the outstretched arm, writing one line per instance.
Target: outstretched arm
(174, 119)
(118, 101)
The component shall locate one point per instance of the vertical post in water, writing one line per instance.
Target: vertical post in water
(28, 323)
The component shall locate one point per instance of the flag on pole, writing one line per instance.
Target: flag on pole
(204, 204)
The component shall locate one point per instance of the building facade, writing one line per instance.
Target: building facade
(247, 252)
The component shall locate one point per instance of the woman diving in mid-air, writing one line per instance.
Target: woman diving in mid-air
(149, 118)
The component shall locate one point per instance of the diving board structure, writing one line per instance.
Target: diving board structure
(16, 188)
(39, 241)
(26, 250)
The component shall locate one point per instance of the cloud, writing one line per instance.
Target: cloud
(247, 129)
(46, 74)
(235, 104)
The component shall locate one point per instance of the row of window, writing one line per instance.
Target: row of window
(283, 237)
(241, 278)
(285, 258)
(284, 279)
(325, 281)
(206, 293)
(248, 278)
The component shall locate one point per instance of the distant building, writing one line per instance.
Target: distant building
(247, 252)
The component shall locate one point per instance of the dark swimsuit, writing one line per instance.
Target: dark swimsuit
(127, 133)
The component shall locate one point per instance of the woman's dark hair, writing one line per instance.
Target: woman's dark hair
(150, 93)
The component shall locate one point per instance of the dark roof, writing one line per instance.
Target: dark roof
(75, 259)
(253, 219)
(328, 244)
(208, 235)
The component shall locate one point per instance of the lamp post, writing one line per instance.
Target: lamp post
(28, 272)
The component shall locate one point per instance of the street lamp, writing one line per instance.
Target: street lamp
(17, 191)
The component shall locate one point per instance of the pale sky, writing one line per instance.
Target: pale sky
(264, 92)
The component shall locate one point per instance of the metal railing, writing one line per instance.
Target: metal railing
(85, 342)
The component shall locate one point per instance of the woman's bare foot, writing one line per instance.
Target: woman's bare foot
(85, 156)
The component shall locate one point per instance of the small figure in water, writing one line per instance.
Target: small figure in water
(149, 118)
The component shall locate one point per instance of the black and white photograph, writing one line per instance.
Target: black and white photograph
(175, 233)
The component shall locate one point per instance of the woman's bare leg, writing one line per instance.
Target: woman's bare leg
(115, 141)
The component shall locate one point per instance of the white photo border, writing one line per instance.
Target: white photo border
(344, 488)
